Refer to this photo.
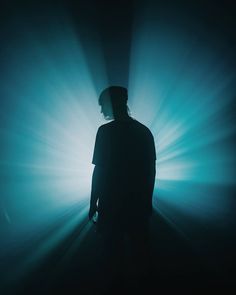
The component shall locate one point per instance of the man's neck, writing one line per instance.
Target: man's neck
(124, 117)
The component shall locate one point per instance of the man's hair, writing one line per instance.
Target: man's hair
(117, 95)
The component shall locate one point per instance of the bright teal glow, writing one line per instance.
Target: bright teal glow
(50, 119)
(179, 87)
(51, 127)
(182, 89)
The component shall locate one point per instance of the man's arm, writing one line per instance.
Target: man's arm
(96, 190)
(150, 185)
(151, 171)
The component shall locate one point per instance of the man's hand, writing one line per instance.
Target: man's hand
(92, 211)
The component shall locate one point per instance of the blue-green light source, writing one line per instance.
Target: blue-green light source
(179, 86)
(50, 116)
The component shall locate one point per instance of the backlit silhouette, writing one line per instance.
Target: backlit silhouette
(123, 177)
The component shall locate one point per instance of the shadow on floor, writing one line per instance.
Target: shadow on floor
(76, 267)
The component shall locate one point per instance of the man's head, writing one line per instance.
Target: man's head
(113, 102)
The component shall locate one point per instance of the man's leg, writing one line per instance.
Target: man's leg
(139, 244)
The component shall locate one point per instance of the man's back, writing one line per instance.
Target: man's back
(125, 152)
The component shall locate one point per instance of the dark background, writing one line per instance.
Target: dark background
(112, 22)
(178, 264)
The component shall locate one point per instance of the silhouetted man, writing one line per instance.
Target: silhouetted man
(124, 174)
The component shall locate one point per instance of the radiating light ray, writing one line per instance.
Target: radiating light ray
(179, 86)
(51, 115)
(45, 246)
(182, 89)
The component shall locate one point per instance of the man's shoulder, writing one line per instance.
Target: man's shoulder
(143, 128)
(103, 130)
(140, 127)
(106, 126)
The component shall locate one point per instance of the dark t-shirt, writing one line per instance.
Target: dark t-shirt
(125, 153)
